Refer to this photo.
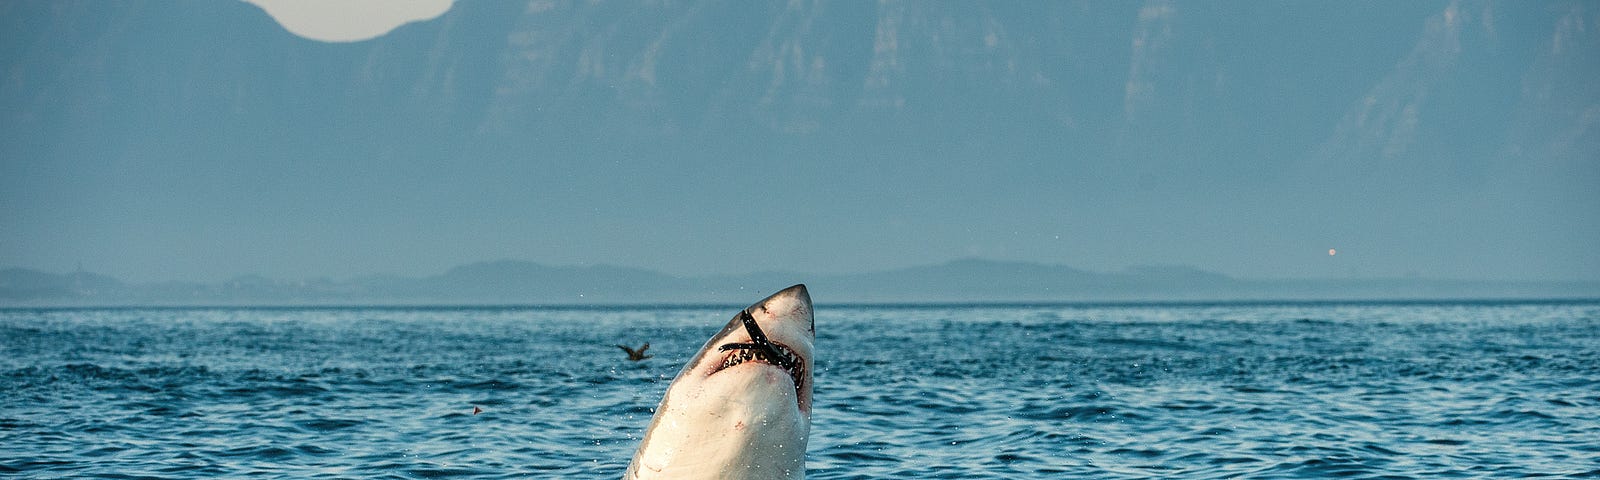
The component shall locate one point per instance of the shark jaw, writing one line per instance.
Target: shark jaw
(760, 349)
(742, 407)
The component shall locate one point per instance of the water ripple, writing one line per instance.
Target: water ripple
(1220, 391)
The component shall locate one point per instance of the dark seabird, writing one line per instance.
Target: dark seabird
(636, 355)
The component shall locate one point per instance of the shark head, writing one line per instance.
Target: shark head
(742, 407)
(764, 343)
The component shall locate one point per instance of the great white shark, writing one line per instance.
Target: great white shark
(741, 409)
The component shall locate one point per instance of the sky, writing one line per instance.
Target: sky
(156, 141)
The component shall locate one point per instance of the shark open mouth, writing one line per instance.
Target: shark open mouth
(760, 349)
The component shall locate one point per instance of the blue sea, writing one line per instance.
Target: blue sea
(1356, 390)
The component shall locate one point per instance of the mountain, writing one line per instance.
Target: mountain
(179, 129)
(551, 74)
(961, 281)
(23, 285)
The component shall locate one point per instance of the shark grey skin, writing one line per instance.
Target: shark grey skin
(741, 409)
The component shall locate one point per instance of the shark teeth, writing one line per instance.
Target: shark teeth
(759, 348)
(786, 359)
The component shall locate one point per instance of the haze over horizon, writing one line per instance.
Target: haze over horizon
(156, 141)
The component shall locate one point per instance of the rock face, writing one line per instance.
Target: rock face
(1119, 77)
(1070, 108)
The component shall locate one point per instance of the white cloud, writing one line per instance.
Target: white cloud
(349, 20)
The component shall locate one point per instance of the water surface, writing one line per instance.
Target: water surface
(1055, 391)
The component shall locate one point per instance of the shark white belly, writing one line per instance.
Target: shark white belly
(741, 409)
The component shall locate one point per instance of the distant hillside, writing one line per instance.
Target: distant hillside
(1279, 123)
(23, 285)
(970, 280)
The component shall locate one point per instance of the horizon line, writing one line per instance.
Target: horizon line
(892, 305)
(1127, 270)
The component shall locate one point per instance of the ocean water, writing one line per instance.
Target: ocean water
(1469, 390)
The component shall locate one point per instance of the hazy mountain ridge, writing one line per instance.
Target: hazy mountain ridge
(968, 280)
(1318, 117)
(535, 73)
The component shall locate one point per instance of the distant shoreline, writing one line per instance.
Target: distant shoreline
(517, 284)
(841, 306)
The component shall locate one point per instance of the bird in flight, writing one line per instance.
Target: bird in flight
(636, 355)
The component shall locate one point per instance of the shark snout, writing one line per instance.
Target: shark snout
(793, 303)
